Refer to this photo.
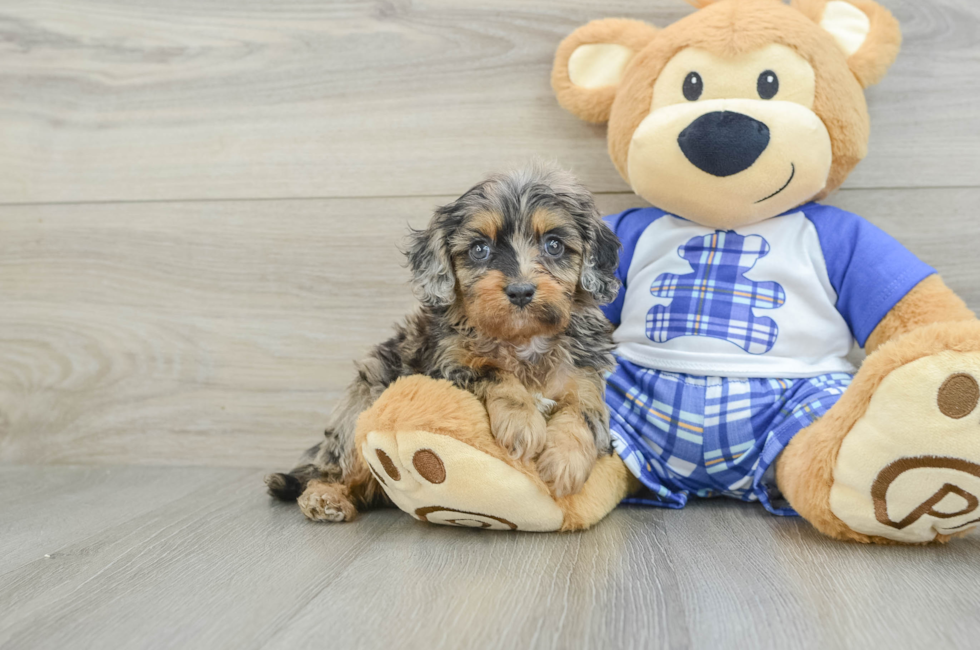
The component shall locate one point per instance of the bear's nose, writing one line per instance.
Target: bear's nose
(724, 143)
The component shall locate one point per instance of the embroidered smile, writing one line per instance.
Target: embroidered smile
(791, 175)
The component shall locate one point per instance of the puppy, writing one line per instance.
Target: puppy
(510, 277)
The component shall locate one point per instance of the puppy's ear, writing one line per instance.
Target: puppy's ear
(433, 280)
(589, 65)
(600, 253)
(601, 261)
(865, 31)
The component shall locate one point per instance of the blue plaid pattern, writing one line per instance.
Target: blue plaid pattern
(710, 436)
(716, 299)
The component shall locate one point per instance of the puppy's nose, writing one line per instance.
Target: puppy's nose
(520, 294)
(724, 143)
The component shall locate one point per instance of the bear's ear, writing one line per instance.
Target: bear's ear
(867, 33)
(589, 65)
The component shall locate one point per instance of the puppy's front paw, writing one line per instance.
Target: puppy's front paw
(326, 502)
(568, 457)
(518, 429)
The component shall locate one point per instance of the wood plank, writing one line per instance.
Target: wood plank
(224, 567)
(46, 508)
(182, 99)
(221, 567)
(221, 333)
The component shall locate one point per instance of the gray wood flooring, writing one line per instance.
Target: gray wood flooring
(201, 203)
(124, 557)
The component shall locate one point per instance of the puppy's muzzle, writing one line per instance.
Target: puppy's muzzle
(724, 143)
(521, 294)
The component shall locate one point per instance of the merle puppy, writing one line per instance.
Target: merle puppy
(510, 277)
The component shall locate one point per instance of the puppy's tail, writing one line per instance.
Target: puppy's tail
(288, 487)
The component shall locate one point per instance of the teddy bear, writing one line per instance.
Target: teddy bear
(741, 298)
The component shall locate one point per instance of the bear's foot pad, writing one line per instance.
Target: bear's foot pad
(441, 480)
(909, 469)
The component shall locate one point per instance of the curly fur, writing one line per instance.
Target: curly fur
(466, 330)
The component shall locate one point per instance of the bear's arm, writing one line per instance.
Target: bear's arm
(873, 274)
(931, 301)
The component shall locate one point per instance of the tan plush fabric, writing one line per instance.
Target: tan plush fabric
(929, 302)
(609, 483)
(472, 488)
(930, 320)
(800, 150)
(847, 24)
(418, 403)
(909, 469)
(593, 104)
(805, 470)
(430, 447)
(596, 65)
(880, 48)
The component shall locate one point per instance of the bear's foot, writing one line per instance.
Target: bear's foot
(441, 480)
(909, 469)
(897, 459)
(429, 446)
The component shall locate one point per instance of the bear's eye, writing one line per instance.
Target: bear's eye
(693, 86)
(768, 84)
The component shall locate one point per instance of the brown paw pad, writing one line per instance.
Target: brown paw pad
(958, 396)
(428, 464)
(388, 466)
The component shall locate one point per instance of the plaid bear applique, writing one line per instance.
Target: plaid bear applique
(716, 299)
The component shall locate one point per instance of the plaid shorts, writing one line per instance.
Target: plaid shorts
(710, 436)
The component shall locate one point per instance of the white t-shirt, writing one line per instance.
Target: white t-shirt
(783, 298)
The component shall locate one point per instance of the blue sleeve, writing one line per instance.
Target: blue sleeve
(869, 269)
(628, 227)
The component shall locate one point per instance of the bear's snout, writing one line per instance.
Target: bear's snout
(724, 143)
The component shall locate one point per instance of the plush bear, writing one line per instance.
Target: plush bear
(741, 299)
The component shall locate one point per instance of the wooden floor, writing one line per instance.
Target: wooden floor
(201, 203)
(123, 557)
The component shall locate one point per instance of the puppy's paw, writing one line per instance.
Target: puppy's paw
(568, 457)
(326, 502)
(518, 429)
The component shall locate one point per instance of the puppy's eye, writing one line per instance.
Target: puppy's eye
(693, 86)
(554, 247)
(480, 251)
(768, 84)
